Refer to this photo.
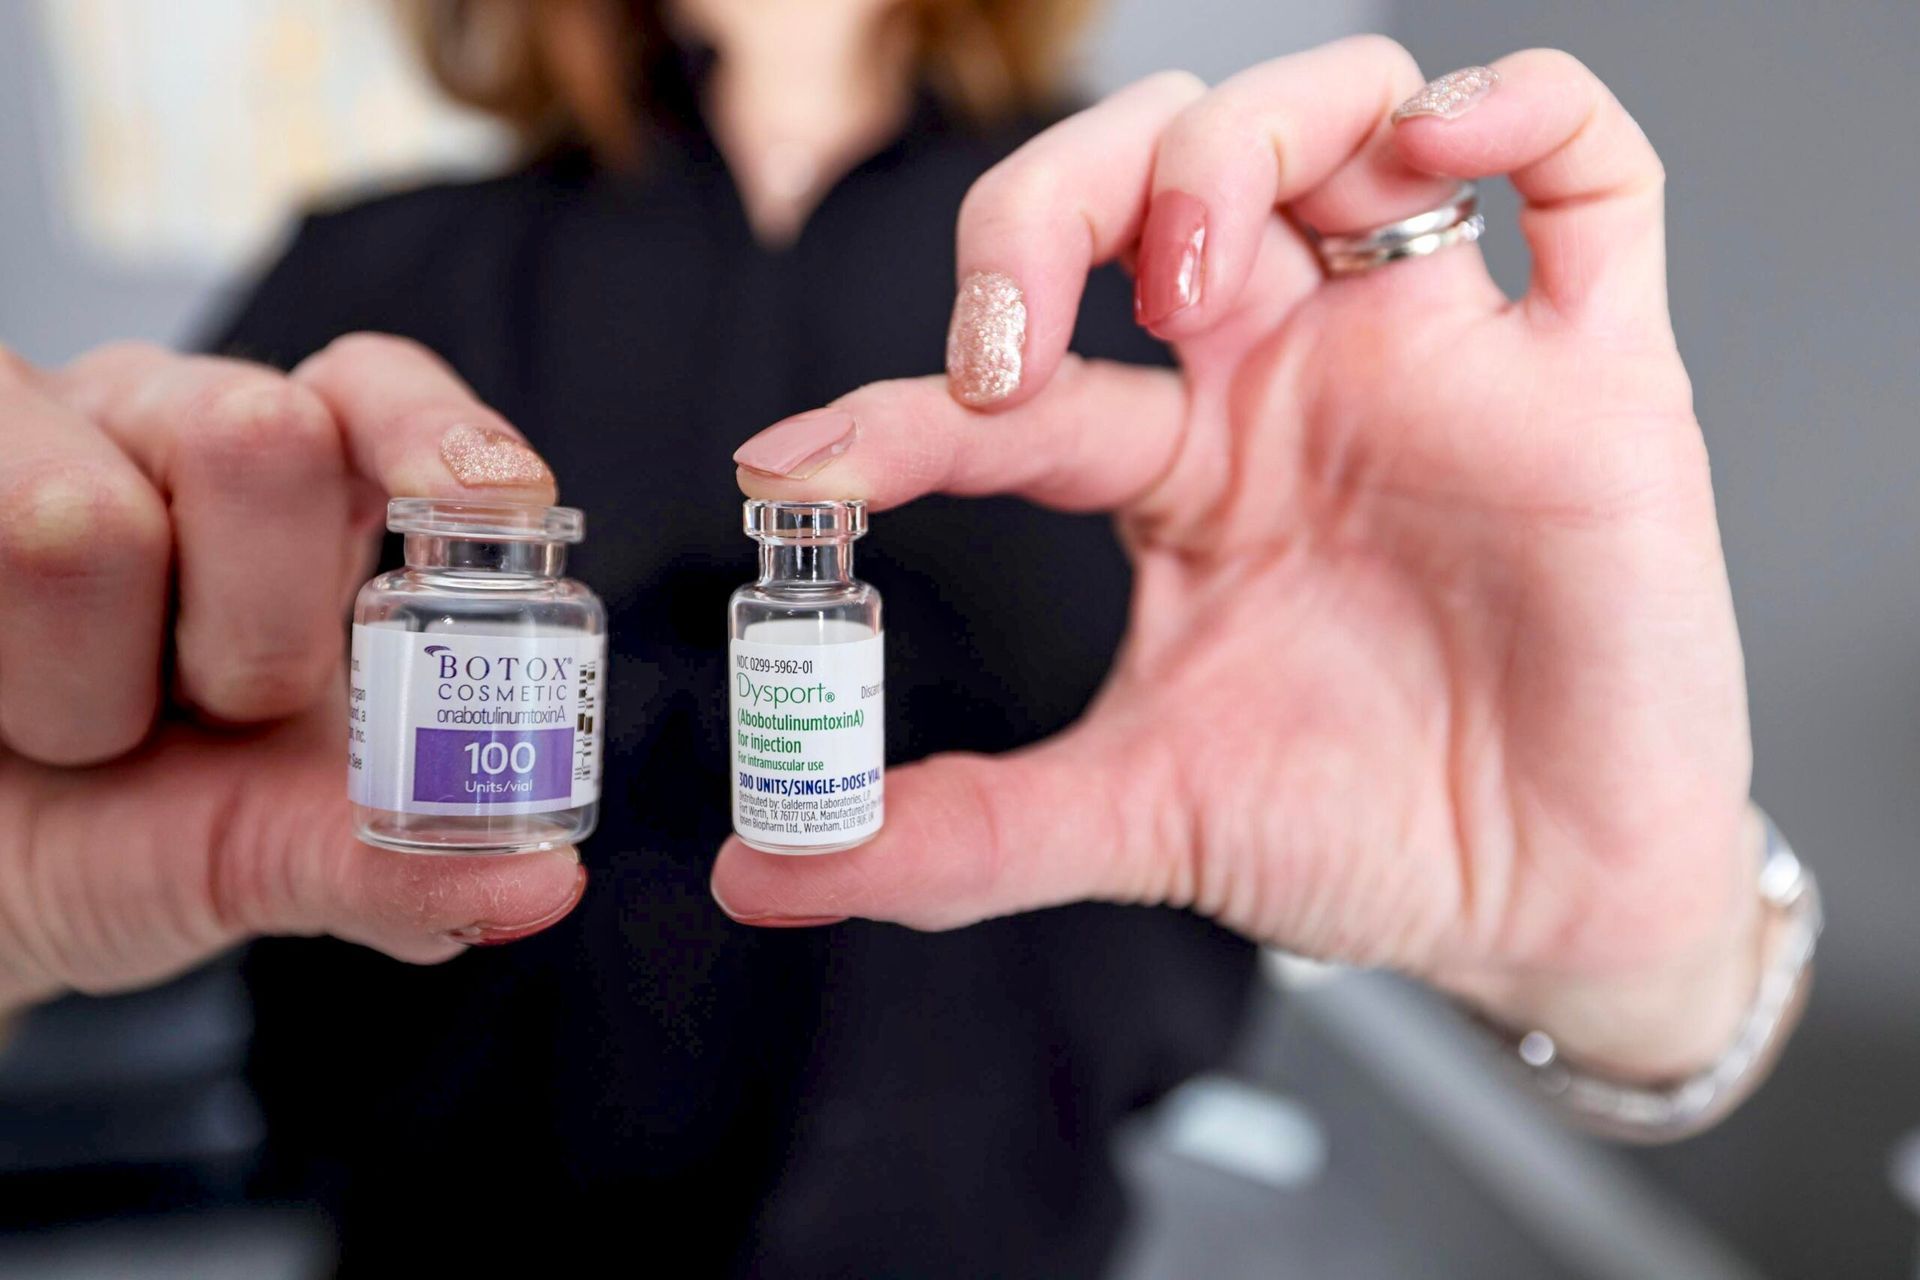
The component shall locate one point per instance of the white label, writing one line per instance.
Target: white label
(809, 740)
(451, 722)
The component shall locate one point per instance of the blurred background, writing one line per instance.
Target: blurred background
(152, 155)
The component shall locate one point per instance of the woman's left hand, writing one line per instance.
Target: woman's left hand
(1432, 661)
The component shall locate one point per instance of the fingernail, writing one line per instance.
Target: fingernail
(799, 446)
(787, 922)
(483, 457)
(1172, 267)
(769, 920)
(986, 341)
(1449, 96)
(485, 934)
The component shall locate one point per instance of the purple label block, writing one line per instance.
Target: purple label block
(492, 766)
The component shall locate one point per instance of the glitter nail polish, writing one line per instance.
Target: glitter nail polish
(1451, 95)
(986, 341)
(482, 458)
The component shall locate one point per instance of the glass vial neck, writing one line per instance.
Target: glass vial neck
(807, 544)
(477, 538)
(439, 553)
(817, 564)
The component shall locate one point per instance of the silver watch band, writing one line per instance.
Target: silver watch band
(1664, 1113)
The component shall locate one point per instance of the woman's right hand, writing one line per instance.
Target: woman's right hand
(180, 539)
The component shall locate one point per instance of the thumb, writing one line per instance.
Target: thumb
(967, 837)
(116, 877)
(282, 870)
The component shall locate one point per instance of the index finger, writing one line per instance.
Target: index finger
(1032, 227)
(414, 428)
(1104, 436)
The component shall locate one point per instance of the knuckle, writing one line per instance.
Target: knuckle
(1218, 132)
(75, 520)
(1648, 171)
(1383, 49)
(1605, 115)
(1011, 192)
(1223, 120)
(1560, 61)
(364, 349)
(128, 351)
(976, 879)
(1654, 179)
(249, 886)
(1557, 66)
(1211, 119)
(1175, 84)
(983, 197)
(96, 379)
(241, 681)
(239, 426)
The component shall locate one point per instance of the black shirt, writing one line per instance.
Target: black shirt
(648, 1082)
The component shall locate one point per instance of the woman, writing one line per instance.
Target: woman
(1430, 660)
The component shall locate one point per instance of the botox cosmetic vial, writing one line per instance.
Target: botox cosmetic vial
(476, 685)
(805, 666)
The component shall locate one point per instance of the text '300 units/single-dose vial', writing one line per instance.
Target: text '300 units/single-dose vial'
(476, 686)
(807, 686)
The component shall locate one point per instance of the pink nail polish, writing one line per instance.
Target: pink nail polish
(484, 934)
(787, 922)
(1449, 96)
(1172, 267)
(483, 457)
(800, 446)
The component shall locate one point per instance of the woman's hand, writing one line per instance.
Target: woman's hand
(179, 539)
(1432, 661)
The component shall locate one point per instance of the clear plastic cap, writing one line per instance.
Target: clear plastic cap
(773, 520)
(480, 521)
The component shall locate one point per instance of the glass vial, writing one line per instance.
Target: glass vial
(476, 685)
(807, 689)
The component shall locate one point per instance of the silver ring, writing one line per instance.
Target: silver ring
(1458, 221)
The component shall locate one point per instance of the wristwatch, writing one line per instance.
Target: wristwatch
(1665, 1112)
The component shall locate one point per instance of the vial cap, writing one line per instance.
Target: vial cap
(481, 521)
(773, 520)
